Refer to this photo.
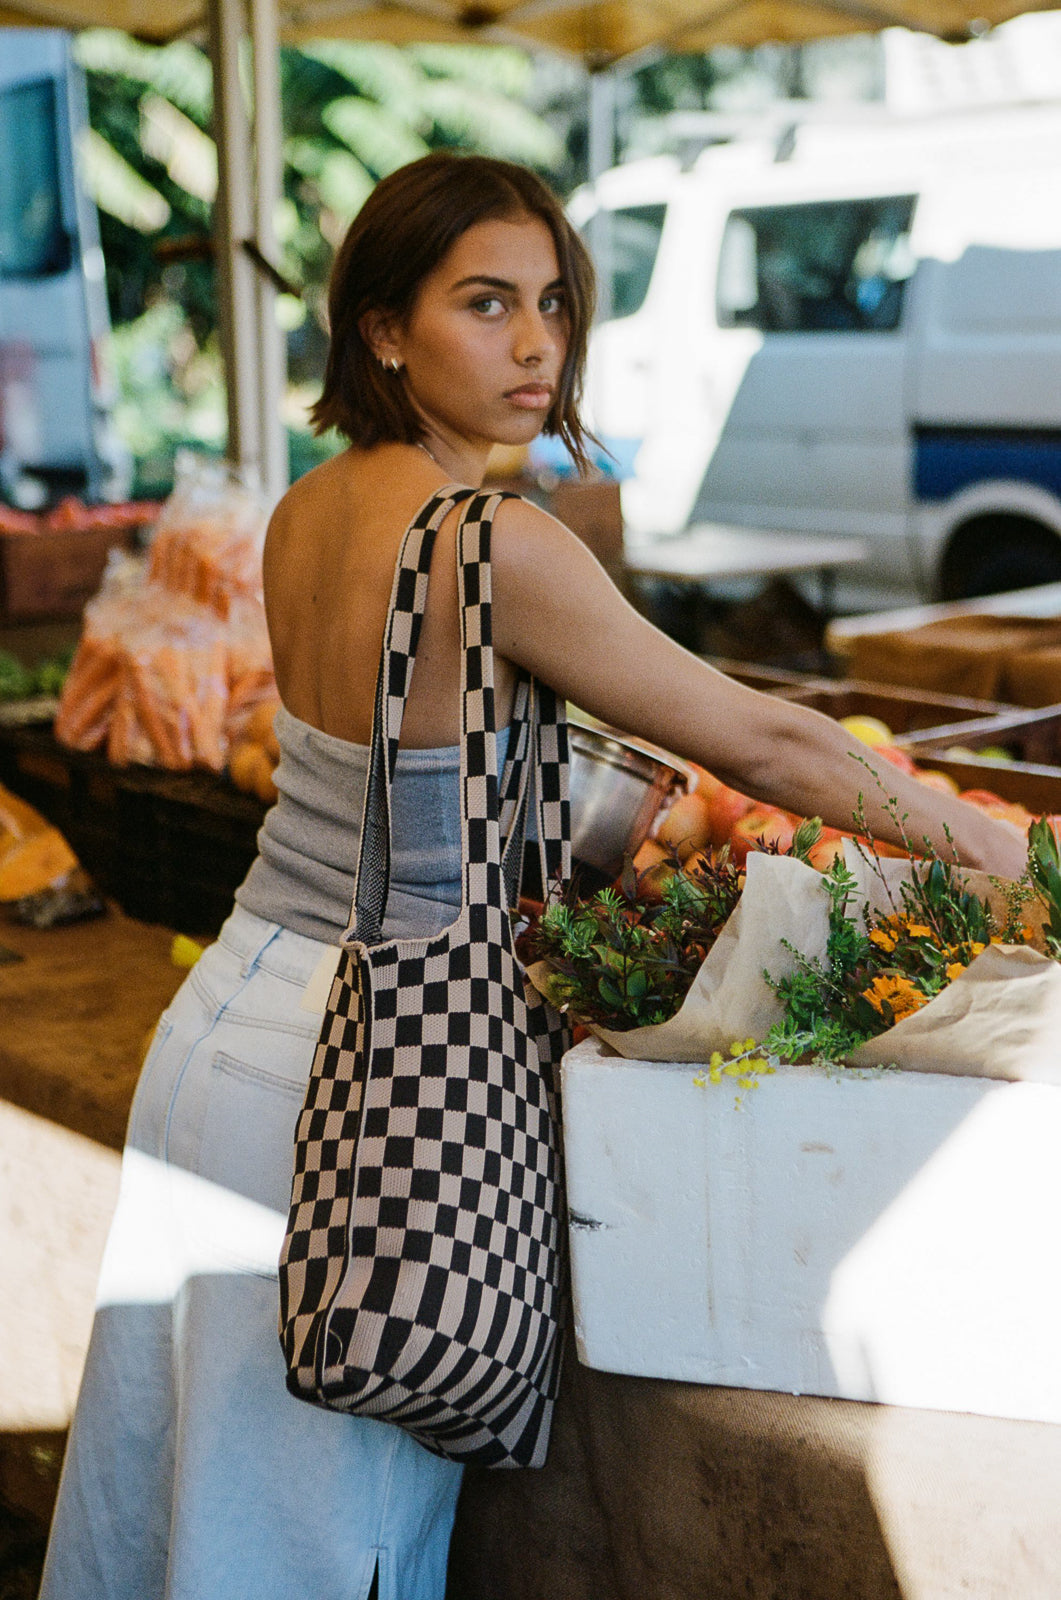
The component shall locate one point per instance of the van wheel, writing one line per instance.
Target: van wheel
(994, 554)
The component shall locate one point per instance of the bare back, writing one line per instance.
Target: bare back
(329, 565)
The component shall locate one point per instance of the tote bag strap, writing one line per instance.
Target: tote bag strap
(397, 658)
(553, 755)
(401, 635)
(543, 712)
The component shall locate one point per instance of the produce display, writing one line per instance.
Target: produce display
(174, 660)
(253, 758)
(713, 815)
(72, 515)
(886, 932)
(20, 682)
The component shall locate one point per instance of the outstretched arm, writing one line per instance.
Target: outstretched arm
(557, 614)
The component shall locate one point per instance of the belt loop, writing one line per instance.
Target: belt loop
(255, 955)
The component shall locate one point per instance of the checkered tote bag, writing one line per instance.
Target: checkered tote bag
(420, 1277)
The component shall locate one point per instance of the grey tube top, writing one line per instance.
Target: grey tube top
(303, 877)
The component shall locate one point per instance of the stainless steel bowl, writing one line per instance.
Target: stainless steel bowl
(617, 787)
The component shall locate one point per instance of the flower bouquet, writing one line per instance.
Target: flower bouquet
(674, 969)
(932, 969)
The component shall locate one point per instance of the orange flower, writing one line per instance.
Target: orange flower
(917, 930)
(976, 948)
(954, 969)
(884, 941)
(898, 993)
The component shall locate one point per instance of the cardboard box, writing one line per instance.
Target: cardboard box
(52, 573)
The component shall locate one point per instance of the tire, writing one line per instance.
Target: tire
(998, 555)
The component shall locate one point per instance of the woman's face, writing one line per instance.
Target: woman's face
(484, 346)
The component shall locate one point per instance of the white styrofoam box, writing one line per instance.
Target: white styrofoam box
(888, 1236)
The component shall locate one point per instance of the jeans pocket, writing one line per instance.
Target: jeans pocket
(242, 1186)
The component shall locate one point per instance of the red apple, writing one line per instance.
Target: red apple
(898, 758)
(727, 807)
(764, 823)
(830, 847)
(981, 798)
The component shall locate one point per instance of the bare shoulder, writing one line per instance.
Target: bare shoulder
(528, 539)
(320, 483)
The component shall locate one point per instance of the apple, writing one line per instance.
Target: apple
(937, 780)
(727, 806)
(982, 798)
(898, 758)
(687, 825)
(868, 730)
(767, 824)
(830, 847)
(654, 865)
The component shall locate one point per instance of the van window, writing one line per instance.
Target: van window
(632, 246)
(818, 267)
(33, 241)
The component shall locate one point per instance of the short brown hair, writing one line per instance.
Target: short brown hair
(402, 232)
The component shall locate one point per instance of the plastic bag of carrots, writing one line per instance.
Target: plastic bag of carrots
(173, 662)
(207, 542)
(148, 683)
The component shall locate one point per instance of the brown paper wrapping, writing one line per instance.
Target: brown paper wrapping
(783, 901)
(1000, 1019)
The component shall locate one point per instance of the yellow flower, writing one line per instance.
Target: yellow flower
(954, 970)
(917, 930)
(883, 941)
(976, 948)
(898, 993)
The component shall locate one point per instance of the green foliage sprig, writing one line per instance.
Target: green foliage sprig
(621, 963)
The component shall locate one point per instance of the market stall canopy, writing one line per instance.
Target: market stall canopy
(597, 31)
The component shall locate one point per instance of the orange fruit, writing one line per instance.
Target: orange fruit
(260, 727)
(243, 764)
(263, 785)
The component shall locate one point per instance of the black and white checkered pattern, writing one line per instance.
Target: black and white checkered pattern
(421, 1273)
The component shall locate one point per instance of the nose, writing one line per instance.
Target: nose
(532, 338)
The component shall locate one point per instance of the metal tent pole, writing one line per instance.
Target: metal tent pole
(601, 154)
(233, 222)
(268, 152)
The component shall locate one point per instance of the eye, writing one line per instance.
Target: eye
(490, 305)
(553, 304)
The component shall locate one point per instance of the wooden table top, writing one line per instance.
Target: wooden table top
(76, 1014)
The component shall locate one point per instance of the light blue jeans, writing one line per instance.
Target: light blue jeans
(191, 1473)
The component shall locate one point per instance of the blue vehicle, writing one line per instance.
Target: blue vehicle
(56, 429)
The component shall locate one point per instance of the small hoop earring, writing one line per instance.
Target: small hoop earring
(393, 365)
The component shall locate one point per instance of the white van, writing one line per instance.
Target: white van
(854, 330)
(56, 432)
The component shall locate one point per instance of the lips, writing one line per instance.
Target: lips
(533, 396)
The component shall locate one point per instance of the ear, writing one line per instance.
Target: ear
(380, 331)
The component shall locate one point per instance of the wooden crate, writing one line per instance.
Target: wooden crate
(769, 679)
(52, 573)
(169, 847)
(911, 714)
(1030, 784)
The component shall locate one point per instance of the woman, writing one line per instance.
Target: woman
(460, 304)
